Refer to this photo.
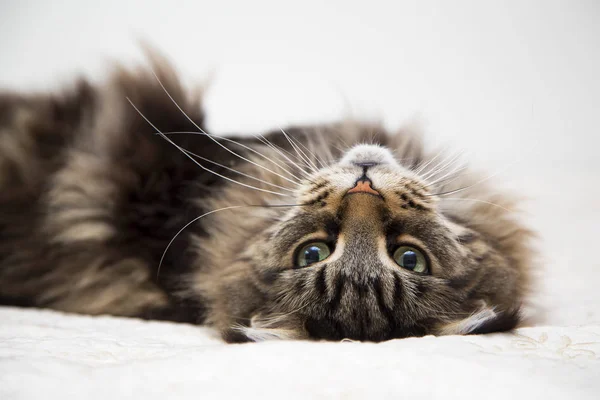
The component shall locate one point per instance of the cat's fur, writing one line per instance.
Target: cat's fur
(91, 196)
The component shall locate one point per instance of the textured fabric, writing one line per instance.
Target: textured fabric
(44, 354)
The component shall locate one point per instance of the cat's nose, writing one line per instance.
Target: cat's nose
(363, 185)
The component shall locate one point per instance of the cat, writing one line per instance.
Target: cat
(115, 200)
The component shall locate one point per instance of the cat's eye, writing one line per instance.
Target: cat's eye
(311, 253)
(411, 259)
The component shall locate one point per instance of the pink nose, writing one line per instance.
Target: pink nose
(363, 186)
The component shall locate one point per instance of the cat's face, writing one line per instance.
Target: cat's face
(369, 255)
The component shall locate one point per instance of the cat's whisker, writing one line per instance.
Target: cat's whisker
(445, 165)
(311, 156)
(196, 162)
(422, 167)
(338, 148)
(448, 158)
(238, 172)
(306, 157)
(473, 184)
(162, 258)
(281, 151)
(448, 176)
(211, 136)
(184, 227)
(245, 147)
(312, 153)
(307, 163)
(445, 182)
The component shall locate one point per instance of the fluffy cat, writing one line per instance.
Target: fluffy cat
(321, 232)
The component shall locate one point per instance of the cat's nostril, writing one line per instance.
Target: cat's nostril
(366, 164)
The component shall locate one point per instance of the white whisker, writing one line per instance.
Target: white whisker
(422, 167)
(295, 143)
(307, 163)
(280, 151)
(448, 180)
(184, 227)
(448, 175)
(196, 162)
(206, 214)
(211, 136)
(445, 165)
(245, 147)
(238, 172)
(311, 153)
(473, 184)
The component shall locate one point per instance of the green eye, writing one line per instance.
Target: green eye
(411, 259)
(312, 253)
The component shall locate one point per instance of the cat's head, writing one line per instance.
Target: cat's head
(369, 253)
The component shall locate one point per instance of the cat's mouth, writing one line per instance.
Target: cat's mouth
(363, 185)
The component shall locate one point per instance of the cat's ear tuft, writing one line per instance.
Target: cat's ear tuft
(485, 320)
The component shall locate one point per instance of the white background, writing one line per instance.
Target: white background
(515, 83)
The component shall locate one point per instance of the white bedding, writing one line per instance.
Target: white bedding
(44, 354)
(514, 84)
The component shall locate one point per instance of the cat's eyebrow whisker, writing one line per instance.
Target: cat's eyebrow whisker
(444, 165)
(477, 201)
(422, 167)
(245, 147)
(339, 149)
(238, 172)
(212, 212)
(184, 227)
(448, 176)
(315, 167)
(196, 162)
(437, 167)
(305, 160)
(280, 150)
(474, 184)
(263, 139)
(211, 136)
(444, 182)
(312, 153)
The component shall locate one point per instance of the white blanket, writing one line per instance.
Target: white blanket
(47, 355)
(515, 84)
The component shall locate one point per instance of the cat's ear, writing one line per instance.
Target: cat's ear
(485, 320)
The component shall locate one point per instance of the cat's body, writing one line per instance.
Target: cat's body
(365, 247)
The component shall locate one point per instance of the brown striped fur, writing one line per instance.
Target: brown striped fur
(91, 196)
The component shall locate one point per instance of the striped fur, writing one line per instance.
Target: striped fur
(91, 195)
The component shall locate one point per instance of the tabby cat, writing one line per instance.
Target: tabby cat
(114, 200)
